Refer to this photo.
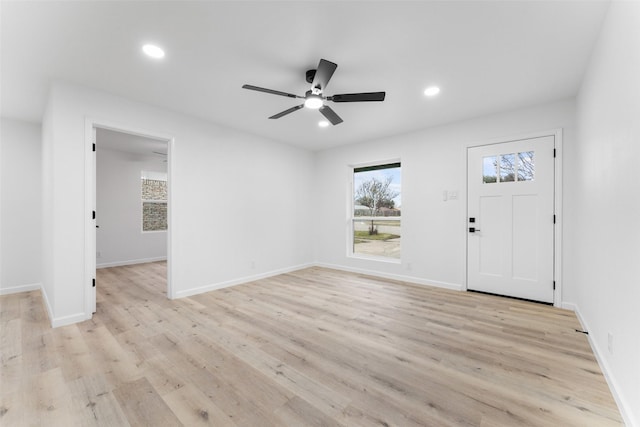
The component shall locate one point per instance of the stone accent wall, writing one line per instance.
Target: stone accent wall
(154, 190)
(154, 211)
(154, 216)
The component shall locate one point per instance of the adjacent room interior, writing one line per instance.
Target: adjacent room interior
(131, 190)
(448, 240)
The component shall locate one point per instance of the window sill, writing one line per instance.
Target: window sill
(375, 258)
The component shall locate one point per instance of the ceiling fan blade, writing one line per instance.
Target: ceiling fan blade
(271, 91)
(323, 74)
(285, 112)
(358, 97)
(330, 115)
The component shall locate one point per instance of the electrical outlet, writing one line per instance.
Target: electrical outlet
(409, 266)
(98, 254)
(610, 342)
(253, 264)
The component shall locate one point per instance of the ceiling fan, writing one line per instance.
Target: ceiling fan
(315, 98)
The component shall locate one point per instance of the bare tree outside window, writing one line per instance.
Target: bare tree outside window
(376, 194)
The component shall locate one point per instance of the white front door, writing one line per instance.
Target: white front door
(510, 224)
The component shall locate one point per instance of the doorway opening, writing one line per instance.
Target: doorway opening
(129, 193)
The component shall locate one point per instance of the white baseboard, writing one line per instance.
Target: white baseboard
(21, 288)
(623, 405)
(60, 321)
(68, 320)
(130, 262)
(398, 277)
(234, 282)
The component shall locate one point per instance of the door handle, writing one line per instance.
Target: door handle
(473, 229)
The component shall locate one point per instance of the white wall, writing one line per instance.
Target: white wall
(240, 203)
(603, 263)
(120, 240)
(21, 206)
(433, 231)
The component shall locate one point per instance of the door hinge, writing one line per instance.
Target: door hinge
(94, 283)
(94, 147)
(554, 285)
(554, 152)
(94, 215)
(554, 218)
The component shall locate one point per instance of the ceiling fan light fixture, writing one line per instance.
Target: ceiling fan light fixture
(323, 123)
(313, 101)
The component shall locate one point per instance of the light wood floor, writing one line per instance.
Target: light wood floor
(315, 347)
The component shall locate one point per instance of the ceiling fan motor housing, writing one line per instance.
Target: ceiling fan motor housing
(311, 74)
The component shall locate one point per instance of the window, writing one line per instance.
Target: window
(376, 211)
(508, 167)
(154, 201)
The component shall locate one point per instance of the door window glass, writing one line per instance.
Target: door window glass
(509, 167)
(489, 169)
(526, 167)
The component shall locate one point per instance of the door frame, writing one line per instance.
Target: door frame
(90, 198)
(557, 203)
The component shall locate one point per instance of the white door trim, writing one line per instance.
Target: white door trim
(90, 190)
(557, 241)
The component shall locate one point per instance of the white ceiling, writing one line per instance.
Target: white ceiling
(134, 144)
(487, 56)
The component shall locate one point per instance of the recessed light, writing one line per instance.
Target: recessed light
(323, 124)
(153, 51)
(432, 91)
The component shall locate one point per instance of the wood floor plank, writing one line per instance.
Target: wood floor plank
(10, 306)
(95, 404)
(314, 347)
(38, 349)
(119, 365)
(12, 408)
(242, 409)
(298, 412)
(143, 406)
(322, 397)
(161, 374)
(75, 357)
(193, 408)
(47, 400)
(11, 355)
